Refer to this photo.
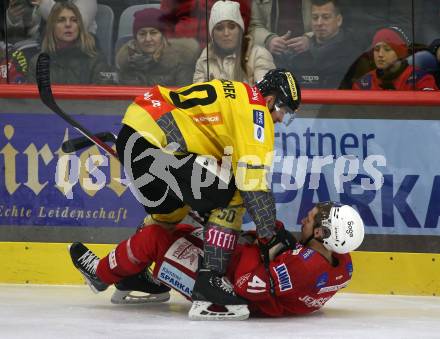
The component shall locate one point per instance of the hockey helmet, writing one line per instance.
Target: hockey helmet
(284, 86)
(342, 226)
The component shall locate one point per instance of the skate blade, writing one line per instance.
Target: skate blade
(200, 311)
(128, 297)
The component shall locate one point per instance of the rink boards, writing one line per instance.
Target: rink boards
(374, 272)
(41, 212)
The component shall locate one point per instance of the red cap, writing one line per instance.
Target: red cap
(394, 39)
(149, 17)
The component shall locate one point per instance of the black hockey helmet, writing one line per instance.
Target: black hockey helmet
(283, 84)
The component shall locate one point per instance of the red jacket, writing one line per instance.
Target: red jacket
(404, 82)
(188, 17)
(304, 280)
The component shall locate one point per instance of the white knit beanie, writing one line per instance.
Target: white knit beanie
(225, 10)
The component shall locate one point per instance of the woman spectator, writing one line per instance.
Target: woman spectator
(392, 72)
(231, 55)
(72, 49)
(27, 15)
(150, 58)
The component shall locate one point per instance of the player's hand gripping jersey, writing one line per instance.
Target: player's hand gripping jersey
(304, 280)
(216, 118)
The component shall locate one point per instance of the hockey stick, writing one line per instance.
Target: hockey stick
(73, 145)
(45, 90)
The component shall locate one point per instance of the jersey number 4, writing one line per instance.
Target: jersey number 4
(256, 285)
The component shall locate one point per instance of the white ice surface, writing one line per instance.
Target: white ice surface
(35, 311)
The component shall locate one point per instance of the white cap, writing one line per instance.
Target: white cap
(346, 228)
(225, 10)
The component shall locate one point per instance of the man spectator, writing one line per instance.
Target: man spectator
(279, 25)
(331, 52)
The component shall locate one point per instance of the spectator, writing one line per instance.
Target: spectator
(87, 8)
(150, 58)
(26, 15)
(331, 50)
(188, 17)
(75, 59)
(279, 25)
(390, 49)
(231, 55)
(434, 48)
(13, 67)
(22, 20)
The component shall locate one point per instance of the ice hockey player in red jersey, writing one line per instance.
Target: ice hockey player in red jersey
(295, 280)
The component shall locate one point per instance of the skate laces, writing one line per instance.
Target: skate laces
(89, 261)
(224, 284)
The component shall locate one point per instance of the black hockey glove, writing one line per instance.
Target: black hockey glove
(282, 241)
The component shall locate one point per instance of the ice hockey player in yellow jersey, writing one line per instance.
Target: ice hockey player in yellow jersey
(208, 147)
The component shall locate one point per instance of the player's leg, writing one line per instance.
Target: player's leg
(129, 258)
(212, 286)
(181, 169)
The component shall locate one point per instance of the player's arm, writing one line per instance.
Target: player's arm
(272, 236)
(261, 208)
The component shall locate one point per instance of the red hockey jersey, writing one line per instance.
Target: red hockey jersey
(303, 279)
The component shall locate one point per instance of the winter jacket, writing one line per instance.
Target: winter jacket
(264, 24)
(188, 17)
(258, 61)
(175, 66)
(402, 81)
(323, 65)
(72, 66)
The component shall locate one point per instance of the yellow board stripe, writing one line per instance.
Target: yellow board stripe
(41, 263)
(374, 272)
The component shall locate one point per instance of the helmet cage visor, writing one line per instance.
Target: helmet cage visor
(323, 218)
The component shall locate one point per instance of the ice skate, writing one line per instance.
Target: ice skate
(86, 262)
(214, 299)
(140, 289)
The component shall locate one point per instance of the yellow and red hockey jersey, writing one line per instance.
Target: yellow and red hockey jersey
(216, 118)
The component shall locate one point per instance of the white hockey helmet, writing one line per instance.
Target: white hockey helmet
(343, 227)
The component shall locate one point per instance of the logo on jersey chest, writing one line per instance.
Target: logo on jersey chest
(283, 276)
(259, 125)
(322, 280)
